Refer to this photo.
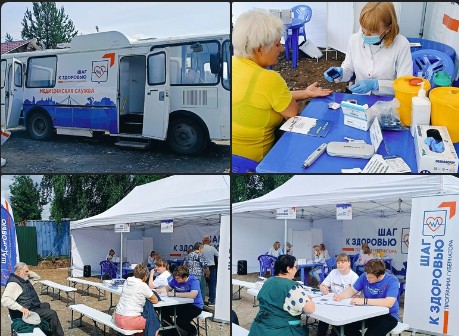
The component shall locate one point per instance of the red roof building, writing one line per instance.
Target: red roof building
(20, 46)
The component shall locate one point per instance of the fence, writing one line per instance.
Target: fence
(51, 240)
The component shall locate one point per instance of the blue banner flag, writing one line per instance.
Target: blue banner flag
(8, 242)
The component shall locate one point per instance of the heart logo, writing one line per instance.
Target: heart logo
(100, 70)
(406, 239)
(434, 221)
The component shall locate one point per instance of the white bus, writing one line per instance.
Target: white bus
(173, 89)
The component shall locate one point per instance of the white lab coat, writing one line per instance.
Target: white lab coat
(378, 62)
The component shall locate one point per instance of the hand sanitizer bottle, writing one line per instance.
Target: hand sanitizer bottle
(420, 109)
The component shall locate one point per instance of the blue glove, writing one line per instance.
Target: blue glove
(364, 86)
(331, 79)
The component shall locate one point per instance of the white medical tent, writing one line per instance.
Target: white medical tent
(381, 206)
(195, 203)
(332, 23)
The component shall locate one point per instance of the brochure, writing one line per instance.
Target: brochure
(307, 125)
(328, 299)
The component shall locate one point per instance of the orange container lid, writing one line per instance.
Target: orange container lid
(409, 84)
(445, 95)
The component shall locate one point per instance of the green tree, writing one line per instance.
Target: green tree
(47, 24)
(8, 38)
(81, 196)
(246, 187)
(25, 199)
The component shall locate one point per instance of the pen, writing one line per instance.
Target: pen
(314, 155)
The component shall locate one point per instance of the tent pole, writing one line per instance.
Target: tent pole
(285, 234)
(121, 256)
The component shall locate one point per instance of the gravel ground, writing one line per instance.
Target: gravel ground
(73, 154)
(246, 312)
(60, 275)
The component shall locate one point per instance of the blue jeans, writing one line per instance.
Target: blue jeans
(315, 272)
(212, 283)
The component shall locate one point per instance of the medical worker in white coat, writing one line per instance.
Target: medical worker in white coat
(377, 54)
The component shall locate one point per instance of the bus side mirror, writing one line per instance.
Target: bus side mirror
(214, 64)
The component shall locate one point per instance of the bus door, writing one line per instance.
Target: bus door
(157, 95)
(12, 92)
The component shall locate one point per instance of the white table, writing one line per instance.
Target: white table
(241, 284)
(341, 315)
(165, 302)
(83, 282)
(238, 331)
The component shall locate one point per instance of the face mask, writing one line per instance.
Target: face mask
(374, 39)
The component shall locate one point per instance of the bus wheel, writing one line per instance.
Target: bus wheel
(40, 126)
(186, 136)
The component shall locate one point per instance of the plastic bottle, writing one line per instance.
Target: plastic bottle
(420, 110)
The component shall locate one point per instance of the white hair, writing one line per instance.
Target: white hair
(19, 266)
(253, 29)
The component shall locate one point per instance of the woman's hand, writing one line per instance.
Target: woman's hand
(313, 91)
(357, 301)
(324, 289)
(337, 297)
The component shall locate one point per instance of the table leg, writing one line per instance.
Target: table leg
(302, 276)
(237, 292)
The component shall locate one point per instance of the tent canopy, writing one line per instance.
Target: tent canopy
(317, 196)
(177, 197)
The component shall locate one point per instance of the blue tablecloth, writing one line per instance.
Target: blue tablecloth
(289, 153)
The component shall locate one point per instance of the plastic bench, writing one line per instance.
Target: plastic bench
(54, 285)
(36, 331)
(203, 317)
(98, 316)
(399, 328)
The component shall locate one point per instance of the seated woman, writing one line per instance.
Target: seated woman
(152, 259)
(261, 99)
(367, 256)
(276, 250)
(281, 301)
(128, 312)
(110, 255)
(162, 268)
(319, 258)
(185, 285)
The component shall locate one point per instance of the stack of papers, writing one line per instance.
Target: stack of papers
(328, 299)
(308, 126)
(379, 165)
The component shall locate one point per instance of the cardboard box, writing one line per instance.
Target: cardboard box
(357, 116)
(428, 157)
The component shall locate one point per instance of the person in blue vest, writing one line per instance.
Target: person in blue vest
(184, 285)
(21, 298)
(379, 289)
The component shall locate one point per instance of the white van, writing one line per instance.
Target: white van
(173, 89)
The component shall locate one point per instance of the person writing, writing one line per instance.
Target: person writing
(128, 312)
(337, 281)
(162, 268)
(185, 285)
(282, 301)
(21, 298)
(377, 54)
(379, 289)
(261, 99)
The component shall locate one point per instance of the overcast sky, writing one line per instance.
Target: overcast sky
(134, 19)
(6, 182)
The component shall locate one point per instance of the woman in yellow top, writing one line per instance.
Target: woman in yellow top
(261, 98)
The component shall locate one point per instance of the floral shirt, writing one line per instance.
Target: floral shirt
(196, 263)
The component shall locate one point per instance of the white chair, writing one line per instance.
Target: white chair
(399, 328)
(203, 316)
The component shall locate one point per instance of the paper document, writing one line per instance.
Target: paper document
(328, 299)
(379, 165)
(308, 126)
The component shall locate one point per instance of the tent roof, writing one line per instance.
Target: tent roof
(316, 196)
(176, 197)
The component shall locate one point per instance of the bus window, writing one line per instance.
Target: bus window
(157, 69)
(41, 72)
(17, 74)
(226, 65)
(3, 74)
